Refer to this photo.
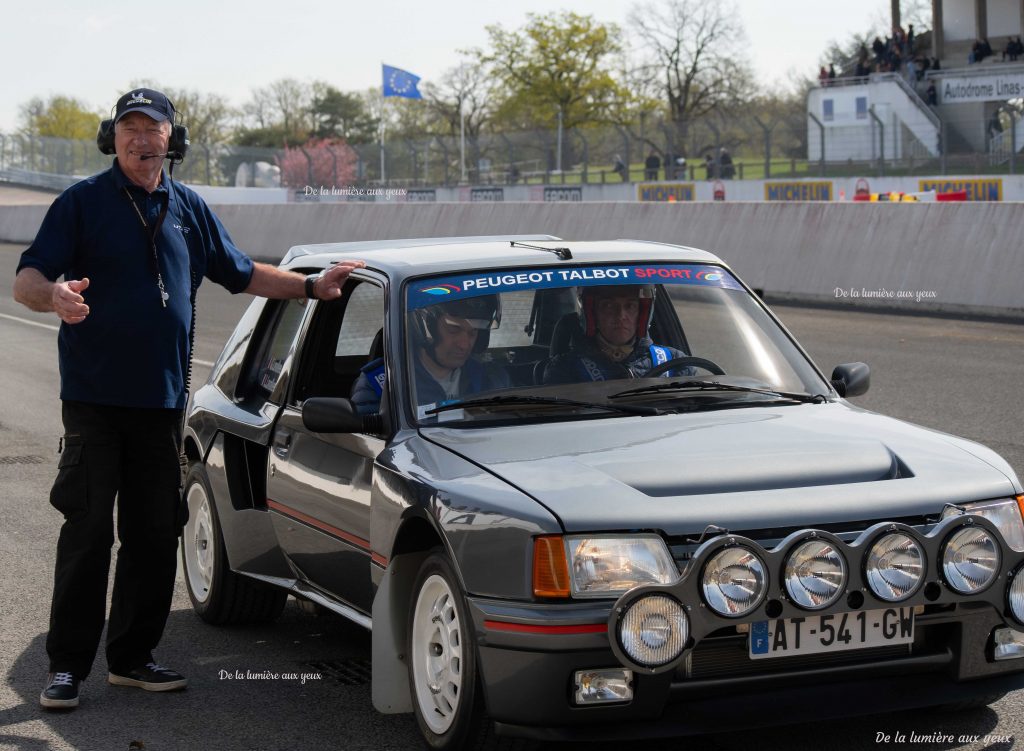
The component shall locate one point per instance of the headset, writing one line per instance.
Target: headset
(177, 144)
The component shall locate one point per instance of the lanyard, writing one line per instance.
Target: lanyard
(152, 232)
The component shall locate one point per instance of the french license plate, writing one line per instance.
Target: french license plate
(815, 634)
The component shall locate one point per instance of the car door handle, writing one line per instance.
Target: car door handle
(282, 442)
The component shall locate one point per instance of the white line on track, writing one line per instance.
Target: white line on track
(196, 360)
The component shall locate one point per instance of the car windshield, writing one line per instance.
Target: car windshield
(558, 342)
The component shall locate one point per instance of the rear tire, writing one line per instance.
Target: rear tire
(219, 596)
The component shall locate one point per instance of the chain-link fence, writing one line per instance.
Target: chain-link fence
(877, 138)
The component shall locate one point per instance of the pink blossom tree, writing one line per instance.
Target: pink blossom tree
(318, 162)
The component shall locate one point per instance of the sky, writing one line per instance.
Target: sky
(93, 51)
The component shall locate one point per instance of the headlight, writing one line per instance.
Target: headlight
(734, 581)
(815, 574)
(895, 567)
(970, 560)
(609, 566)
(654, 630)
(1005, 514)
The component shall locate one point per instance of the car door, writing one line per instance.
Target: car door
(318, 485)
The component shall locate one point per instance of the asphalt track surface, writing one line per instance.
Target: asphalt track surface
(957, 376)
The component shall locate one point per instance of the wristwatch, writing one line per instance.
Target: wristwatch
(311, 280)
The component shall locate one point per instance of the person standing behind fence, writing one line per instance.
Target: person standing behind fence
(132, 247)
(619, 168)
(651, 166)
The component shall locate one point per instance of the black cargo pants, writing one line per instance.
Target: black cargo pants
(131, 455)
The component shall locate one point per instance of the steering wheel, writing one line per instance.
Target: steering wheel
(700, 362)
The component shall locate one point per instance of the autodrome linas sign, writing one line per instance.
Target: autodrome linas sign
(994, 87)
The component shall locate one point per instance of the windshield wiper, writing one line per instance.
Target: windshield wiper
(629, 409)
(716, 386)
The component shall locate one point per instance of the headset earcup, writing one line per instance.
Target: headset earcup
(178, 142)
(105, 137)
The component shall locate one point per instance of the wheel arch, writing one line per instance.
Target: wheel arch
(415, 540)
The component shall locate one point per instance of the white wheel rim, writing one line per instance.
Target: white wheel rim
(437, 654)
(198, 542)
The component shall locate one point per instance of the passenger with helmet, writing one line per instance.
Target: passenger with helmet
(446, 336)
(616, 343)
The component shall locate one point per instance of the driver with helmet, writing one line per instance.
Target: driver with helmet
(446, 336)
(616, 343)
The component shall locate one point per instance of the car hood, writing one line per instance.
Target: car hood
(754, 468)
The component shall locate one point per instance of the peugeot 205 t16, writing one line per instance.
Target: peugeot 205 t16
(593, 490)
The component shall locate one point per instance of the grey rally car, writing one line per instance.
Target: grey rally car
(593, 490)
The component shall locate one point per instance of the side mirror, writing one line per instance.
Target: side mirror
(336, 415)
(851, 379)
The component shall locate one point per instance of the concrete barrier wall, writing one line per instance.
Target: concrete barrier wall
(959, 258)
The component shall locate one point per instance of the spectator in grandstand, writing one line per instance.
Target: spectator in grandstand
(822, 76)
(910, 39)
(1014, 49)
(651, 166)
(831, 73)
(931, 96)
(878, 47)
(979, 51)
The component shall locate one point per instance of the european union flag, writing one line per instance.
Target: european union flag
(398, 82)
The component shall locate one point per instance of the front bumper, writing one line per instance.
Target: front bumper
(528, 677)
(529, 654)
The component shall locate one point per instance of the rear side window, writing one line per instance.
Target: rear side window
(280, 326)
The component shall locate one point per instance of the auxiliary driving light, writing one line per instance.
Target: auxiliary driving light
(734, 581)
(654, 630)
(1016, 596)
(815, 574)
(607, 686)
(895, 567)
(970, 560)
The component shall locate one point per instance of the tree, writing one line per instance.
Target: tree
(208, 116)
(557, 63)
(460, 96)
(277, 115)
(319, 162)
(59, 117)
(337, 114)
(694, 50)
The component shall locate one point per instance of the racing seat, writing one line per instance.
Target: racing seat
(565, 335)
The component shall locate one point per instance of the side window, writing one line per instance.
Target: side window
(364, 317)
(516, 313)
(342, 339)
(280, 327)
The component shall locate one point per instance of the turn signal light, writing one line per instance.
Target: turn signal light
(550, 567)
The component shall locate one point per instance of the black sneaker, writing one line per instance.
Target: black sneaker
(149, 677)
(61, 692)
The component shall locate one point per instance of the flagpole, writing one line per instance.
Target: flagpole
(462, 138)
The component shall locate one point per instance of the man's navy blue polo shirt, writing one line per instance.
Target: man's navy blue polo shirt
(130, 350)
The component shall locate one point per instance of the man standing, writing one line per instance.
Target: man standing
(132, 247)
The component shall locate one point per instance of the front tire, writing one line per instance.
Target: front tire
(442, 660)
(219, 596)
